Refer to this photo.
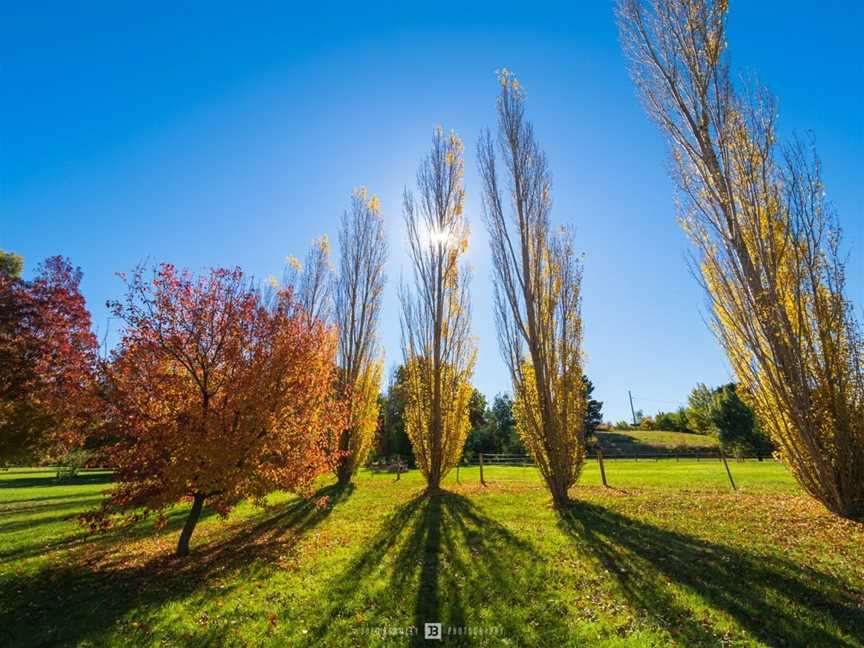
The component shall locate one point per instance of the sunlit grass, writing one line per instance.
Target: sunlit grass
(668, 554)
(658, 438)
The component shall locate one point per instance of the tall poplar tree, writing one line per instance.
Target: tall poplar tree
(438, 350)
(538, 280)
(767, 245)
(358, 292)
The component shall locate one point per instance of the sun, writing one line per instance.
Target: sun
(439, 236)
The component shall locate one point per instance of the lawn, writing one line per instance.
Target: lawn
(668, 555)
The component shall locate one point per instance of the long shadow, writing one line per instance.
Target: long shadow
(46, 547)
(11, 504)
(11, 508)
(34, 522)
(174, 521)
(274, 532)
(277, 519)
(439, 559)
(86, 600)
(77, 480)
(610, 438)
(772, 599)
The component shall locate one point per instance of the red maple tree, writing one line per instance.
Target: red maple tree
(217, 394)
(48, 356)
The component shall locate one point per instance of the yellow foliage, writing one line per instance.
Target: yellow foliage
(363, 415)
(323, 244)
(420, 416)
(375, 205)
(555, 437)
(781, 317)
(439, 352)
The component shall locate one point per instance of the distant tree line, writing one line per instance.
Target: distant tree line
(719, 412)
(493, 427)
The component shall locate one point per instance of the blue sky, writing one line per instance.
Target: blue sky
(225, 134)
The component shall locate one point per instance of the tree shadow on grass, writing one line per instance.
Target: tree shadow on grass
(87, 600)
(440, 559)
(273, 533)
(34, 522)
(771, 599)
(40, 504)
(13, 504)
(41, 482)
(12, 551)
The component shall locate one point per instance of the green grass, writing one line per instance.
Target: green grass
(653, 440)
(668, 555)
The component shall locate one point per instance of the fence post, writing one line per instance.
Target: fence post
(602, 469)
(398, 468)
(457, 471)
(482, 481)
(728, 472)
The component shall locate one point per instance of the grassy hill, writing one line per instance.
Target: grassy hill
(651, 441)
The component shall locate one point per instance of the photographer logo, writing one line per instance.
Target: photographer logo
(432, 631)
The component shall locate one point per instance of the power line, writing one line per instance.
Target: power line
(654, 400)
(647, 400)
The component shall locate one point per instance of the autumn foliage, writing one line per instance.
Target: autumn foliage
(436, 454)
(437, 346)
(357, 305)
(48, 356)
(538, 281)
(767, 245)
(217, 395)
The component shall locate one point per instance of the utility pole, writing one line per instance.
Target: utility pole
(632, 411)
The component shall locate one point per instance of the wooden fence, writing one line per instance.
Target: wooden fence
(698, 454)
(398, 464)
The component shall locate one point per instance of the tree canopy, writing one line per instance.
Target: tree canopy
(216, 395)
(48, 357)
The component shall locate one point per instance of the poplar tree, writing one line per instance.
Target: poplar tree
(357, 295)
(438, 350)
(766, 241)
(538, 279)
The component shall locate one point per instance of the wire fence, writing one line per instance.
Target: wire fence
(398, 464)
(675, 454)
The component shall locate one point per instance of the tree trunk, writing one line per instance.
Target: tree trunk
(848, 509)
(189, 527)
(434, 482)
(561, 501)
(560, 494)
(344, 472)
